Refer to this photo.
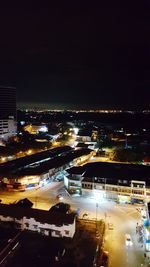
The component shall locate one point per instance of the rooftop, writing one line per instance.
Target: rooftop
(113, 170)
(55, 162)
(43, 216)
(24, 161)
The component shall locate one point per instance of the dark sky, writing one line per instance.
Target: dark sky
(83, 54)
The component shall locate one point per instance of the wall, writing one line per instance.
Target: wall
(43, 228)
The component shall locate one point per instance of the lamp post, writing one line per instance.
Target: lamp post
(96, 197)
(126, 141)
(36, 197)
(96, 214)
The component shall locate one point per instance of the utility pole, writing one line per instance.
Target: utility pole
(126, 141)
(36, 198)
(96, 214)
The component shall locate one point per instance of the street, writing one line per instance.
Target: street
(124, 218)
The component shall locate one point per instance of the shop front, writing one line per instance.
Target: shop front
(124, 199)
(147, 234)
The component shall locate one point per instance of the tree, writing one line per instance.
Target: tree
(125, 155)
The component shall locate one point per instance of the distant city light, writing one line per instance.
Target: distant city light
(43, 129)
(3, 159)
(29, 152)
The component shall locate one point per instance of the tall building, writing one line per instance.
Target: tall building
(7, 112)
(7, 102)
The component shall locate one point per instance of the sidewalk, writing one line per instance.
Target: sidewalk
(147, 259)
(139, 240)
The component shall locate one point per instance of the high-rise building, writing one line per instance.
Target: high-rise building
(7, 102)
(7, 112)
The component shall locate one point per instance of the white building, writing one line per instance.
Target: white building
(47, 223)
(83, 138)
(122, 182)
(35, 129)
(7, 112)
(8, 128)
(35, 176)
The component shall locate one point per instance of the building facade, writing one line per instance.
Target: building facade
(39, 174)
(41, 221)
(8, 126)
(121, 182)
(7, 102)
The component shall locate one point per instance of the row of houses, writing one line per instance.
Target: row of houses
(28, 160)
(40, 173)
(147, 228)
(55, 224)
(123, 182)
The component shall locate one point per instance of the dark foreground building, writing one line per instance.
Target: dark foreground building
(7, 102)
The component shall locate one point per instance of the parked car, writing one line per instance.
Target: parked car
(59, 197)
(110, 226)
(128, 240)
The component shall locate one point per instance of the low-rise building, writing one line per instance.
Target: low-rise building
(36, 128)
(42, 172)
(122, 182)
(84, 136)
(146, 161)
(8, 128)
(47, 223)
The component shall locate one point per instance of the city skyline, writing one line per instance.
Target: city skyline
(74, 134)
(91, 55)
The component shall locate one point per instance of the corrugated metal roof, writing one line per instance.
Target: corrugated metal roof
(56, 162)
(24, 161)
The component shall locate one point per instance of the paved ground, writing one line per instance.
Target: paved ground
(124, 218)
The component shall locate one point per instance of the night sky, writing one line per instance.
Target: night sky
(73, 54)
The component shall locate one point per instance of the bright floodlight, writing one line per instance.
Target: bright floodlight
(76, 130)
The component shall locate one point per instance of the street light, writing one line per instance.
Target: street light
(36, 197)
(96, 197)
(96, 213)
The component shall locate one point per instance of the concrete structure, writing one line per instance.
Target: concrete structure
(84, 138)
(31, 160)
(40, 173)
(122, 182)
(8, 128)
(8, 125)
(84, 135)
(146, 161)
(47, 223)
(7, 102)
(146, 225)
(36, 128)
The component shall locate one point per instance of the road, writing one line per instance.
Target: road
(124, 219)
(123, 216)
